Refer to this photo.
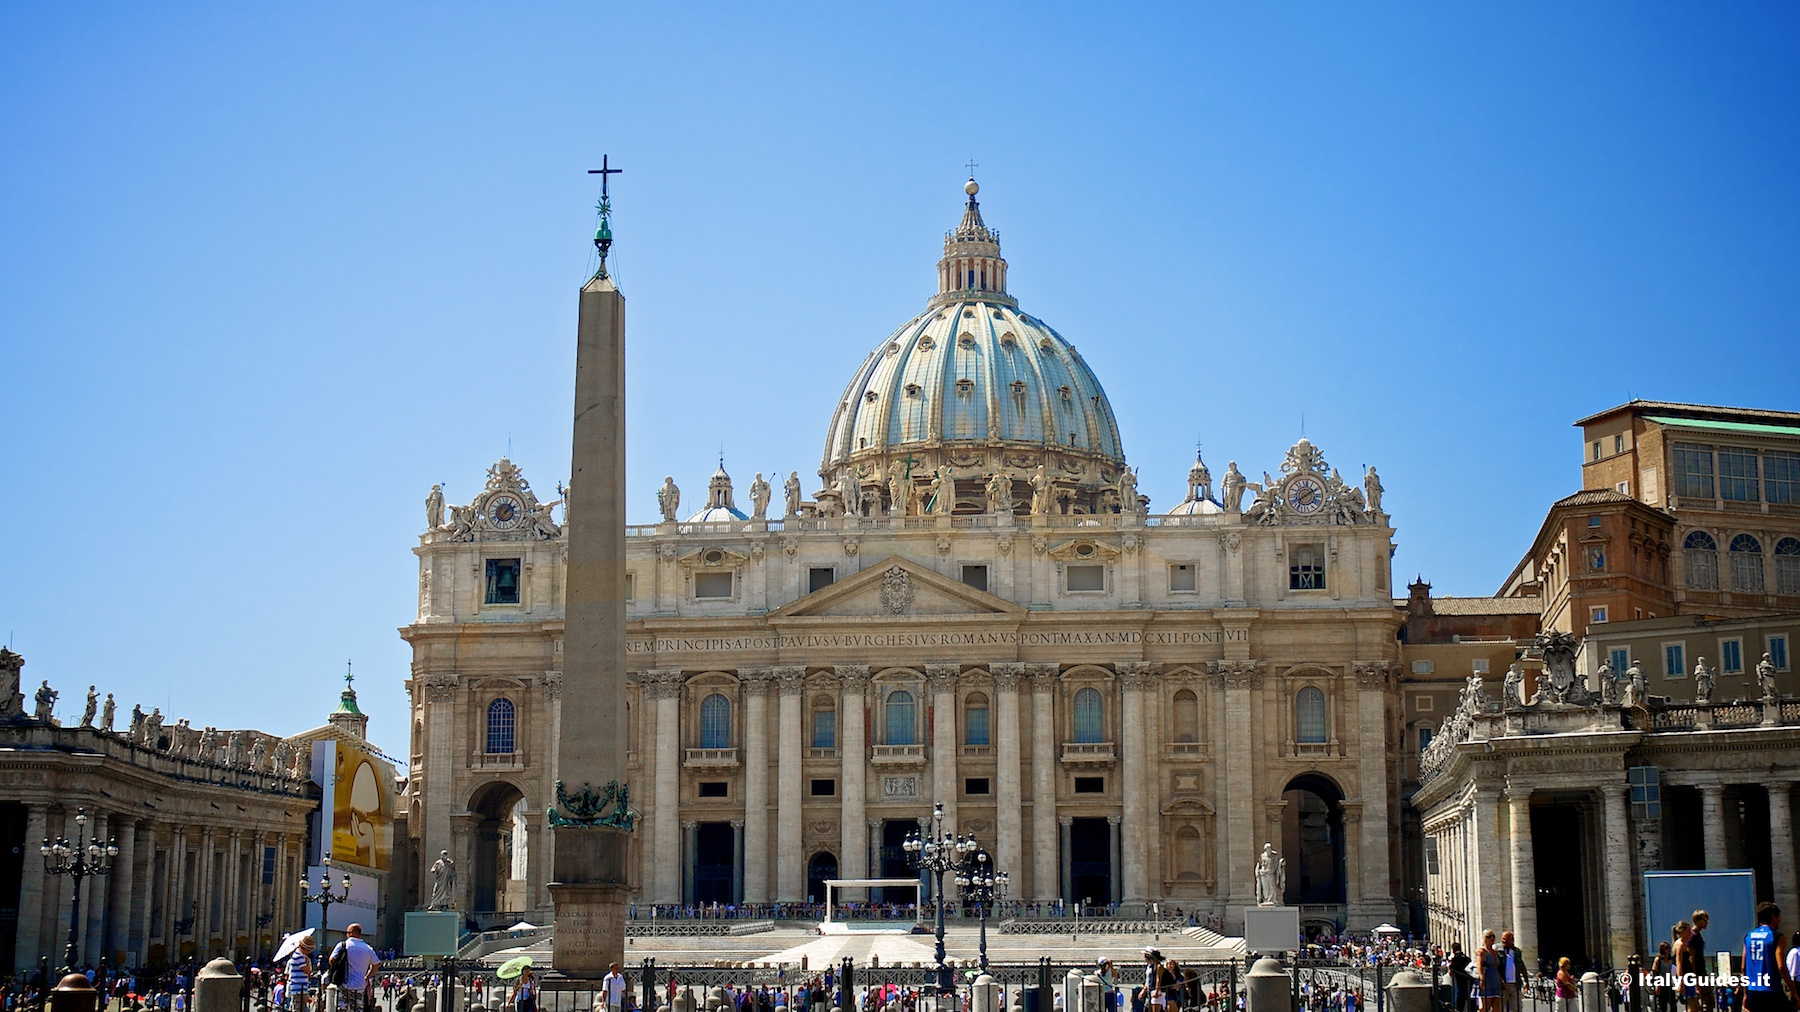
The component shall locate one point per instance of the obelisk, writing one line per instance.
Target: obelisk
(590, 816)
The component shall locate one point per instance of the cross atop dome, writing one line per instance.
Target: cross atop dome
(972, 267)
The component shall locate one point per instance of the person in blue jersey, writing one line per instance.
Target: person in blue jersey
(1765, 964)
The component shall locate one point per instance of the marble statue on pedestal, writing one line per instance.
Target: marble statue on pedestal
(153, 725)
(443, 882)
(1765, 677)
(1703, 681)
(46, 702)
(1372, 489)
(999, 493)
(1636, 692)
(791, 490)
(12, 702)
(1231, 488)
(850, 494)
(1514, 685)
(900, 491)
(668, 499)
(943, 491)
(1608, 682)
(434, 508)
(1128, 493)
(92, 707)
(107, 711)
(1271, 877)
(1041, 505)
(759, 498)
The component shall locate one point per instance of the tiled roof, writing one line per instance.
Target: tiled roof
(1482, 605)
(1592, 497)
(1741, 414)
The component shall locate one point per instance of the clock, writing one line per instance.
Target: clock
(505, 512)
(1305, 495)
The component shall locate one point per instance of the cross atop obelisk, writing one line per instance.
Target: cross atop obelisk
(590, 814)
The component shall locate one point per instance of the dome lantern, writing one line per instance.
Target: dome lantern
(972, 266)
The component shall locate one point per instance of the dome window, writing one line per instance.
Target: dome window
(912, 390)
(1045, 345)
(998, 315)
(966, 340)
(965, 386)
(1018, 388)
(926, 343)
(968, 314)
(1008, 339)
(1065, 391)
(871, 396)
(893, 349)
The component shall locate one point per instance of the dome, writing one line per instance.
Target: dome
(974, 383)
(719, 507)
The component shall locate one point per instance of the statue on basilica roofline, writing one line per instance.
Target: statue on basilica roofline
(900, 490)
(759, 498)
(668, 499)
(1041, 503)
(92, 707)
(1608, 682)
(1636, 692)
(850, 494)
(791, 490)
(434, 508)
(46, 703)
(153, 727)
(943, 491)
(1765, 677)
(1703, 681)
(1372, 489)
(999, 493)
(1128, 493)
(1513, 687)
(1231, 488)
(107, 710)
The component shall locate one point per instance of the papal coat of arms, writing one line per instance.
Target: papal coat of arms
(896, 591)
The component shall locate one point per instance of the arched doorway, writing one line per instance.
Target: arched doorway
(1312, 840)
(498, 880)
(822, 866)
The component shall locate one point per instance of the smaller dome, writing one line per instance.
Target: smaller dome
(719, 507)
(1196, 508)
(716, 515)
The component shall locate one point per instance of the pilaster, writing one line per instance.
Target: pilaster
(663, 688)
(1008, 828)
(790, 865)
(1135, 679)
(1043, 781)
(944, 717)
(755, 831)
(853, 753)
(1524, 868)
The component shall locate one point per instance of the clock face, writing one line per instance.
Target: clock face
(1305, 495)
(504, 511)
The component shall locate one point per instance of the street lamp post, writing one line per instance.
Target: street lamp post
(983, 887)
(323, 895)
(78, 859)
(943, 853)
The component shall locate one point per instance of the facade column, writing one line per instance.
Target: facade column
(255, 892)
(1135, 678)
(1621, 916)
(690, 852)
(149, 887)
(755, 849)
(1112, 844)
(664, 686)
(737, 859)
(853, 862)
(439, 774)
(1241, 682)
(1043, 782)
(944, 714)
(1524, 870)
(206, 889)
(1374, 683)
(537, 860)
(114, 935)
(1712, 818)
(790, 864)
(1007, 830)
(232, 920)
(1781, 844)
(1353, 868)
(174, 909)
(93, 900)
(1064, 825)
(28, 943)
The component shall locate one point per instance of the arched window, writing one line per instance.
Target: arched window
(1746, 564)
(1090, 716)
(500, 725)
(975, 719)
(1787, 566)
(1187, 716)
(901, 715)
(1702, 554)
(824, 722)
(1424, 737)
(1309, 716)
(715, 722)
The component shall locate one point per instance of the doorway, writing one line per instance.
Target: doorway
(822, 866)
(715, 854)
(1090, 862)
(893, 862)
(1312, 829)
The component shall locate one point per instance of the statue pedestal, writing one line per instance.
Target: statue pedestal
(589, 895)
(1270, 930)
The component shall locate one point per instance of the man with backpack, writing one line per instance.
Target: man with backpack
(352, 966)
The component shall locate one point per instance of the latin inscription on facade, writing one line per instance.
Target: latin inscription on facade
(927, 639)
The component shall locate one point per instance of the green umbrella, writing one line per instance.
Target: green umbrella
(513, 967)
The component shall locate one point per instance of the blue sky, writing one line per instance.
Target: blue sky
(269, 274)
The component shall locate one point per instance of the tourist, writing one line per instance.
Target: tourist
(1662, 967)
(1460, 978)
(1767, 987)
(1514, 979)
(1697, 945)
(360, 963)
(1491, 972)
(300, 974)
(1565, 986)
(1151, 996)
(1684, 964)
(614, 986)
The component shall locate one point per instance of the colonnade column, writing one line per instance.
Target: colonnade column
(943, 739)
(853, 752)
(1135, 678)
(1524, 870)
(664, 686)
(31, 888)
(790, 872)
(233, 919)
(1615, 857)
(1373, 684)
(755, 851)
(115, 934)
(256, 896)
(1712, 819)
(1007, 830)
(1043, 782)
(144, 891)
(93, 899)
(1781, 845)
(172, 906)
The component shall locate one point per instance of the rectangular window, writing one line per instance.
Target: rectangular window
(1619, 444)
(1423, 667)
(630, 586)
(824, 729)
(1424, 704)
(1181, 578)
(715, 788)
(975, 785)
(1693, 467)
(1623, 488)
(975, 725)
(1424, 738)
(1646, 791)
(1781, 477)
(1085, 579)
(1307, 569)
(1479, 665)
(1619, 658)
(1090, 785)
(975, 576)
(1674, 660)
(1431, 855)
(820, 577)
(1596, 615)
(1596, 450)
(1778, 651)
(824, 788)
(1738, 475)
(502, 581)
(1593, 521)
(268, 866)
(712, 585)
(1731, 656)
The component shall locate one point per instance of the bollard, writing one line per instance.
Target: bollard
(1266, 988)
(431, 999)
(1409, 991)
(74, 994)
(1092, 994)
(684, 1002)
(217, 987)
(1593, 993)
(329, 1003)
(984, 995)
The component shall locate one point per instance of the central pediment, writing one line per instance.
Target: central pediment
(896, 588)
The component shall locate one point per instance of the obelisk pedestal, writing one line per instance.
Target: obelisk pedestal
(589, 879)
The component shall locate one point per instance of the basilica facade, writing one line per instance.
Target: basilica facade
(974, 606)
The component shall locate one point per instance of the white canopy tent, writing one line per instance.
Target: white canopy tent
(832, 884)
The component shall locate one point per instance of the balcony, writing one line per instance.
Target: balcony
(897, 755)
(1312, 749)
(822, 752)
(711, 758)
(497, 761)
(1188, 750)
(1087, 753)
(975, 751)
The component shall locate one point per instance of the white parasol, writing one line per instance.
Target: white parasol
(290, 943)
